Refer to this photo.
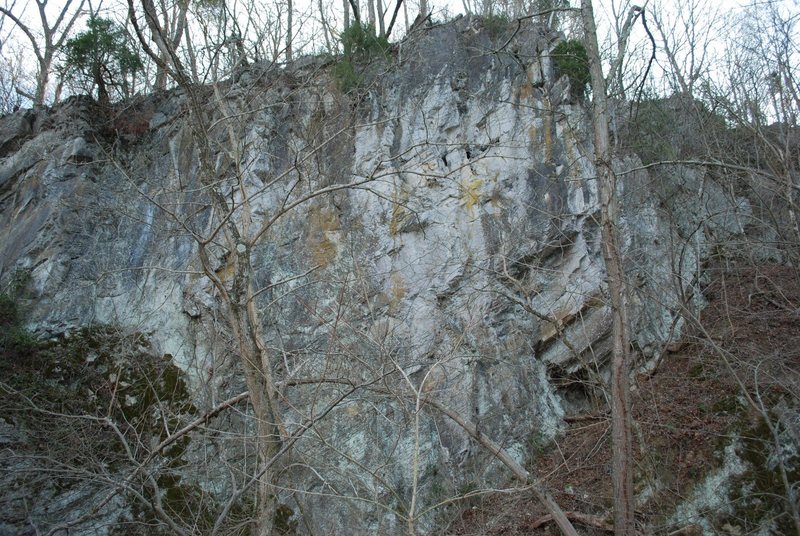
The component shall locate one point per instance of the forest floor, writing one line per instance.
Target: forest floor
(686, 411)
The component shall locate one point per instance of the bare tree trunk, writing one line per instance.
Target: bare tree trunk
(161, 76)
(371, 12)
(190, 53)
(326, 28)
(666, 46)
(42, 80)
(59, 88)
(356, 10)
(394, 18)
(289, 22)
(237, 299)
(380, 13)
(615, 82)
(172, 29)
(102, 91)
(243, 320)
(346, 9)
(620, 390)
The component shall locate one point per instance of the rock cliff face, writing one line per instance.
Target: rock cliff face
(463, 262)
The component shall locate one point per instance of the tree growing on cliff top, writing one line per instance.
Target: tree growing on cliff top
(570, 60)
(102, 56)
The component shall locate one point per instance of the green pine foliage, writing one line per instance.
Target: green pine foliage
(361, 43)
(103, 56)
(15, 341)
(496, 25)
(361, 47)
(570, 60)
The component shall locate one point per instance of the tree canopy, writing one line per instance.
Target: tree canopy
(102, 55)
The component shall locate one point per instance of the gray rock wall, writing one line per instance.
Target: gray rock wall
(467, 257)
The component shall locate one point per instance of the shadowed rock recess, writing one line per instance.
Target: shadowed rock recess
(465, 265)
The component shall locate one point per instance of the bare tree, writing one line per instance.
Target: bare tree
(15, 81)
(289, 29)
(53, 36)
(615, 84)
(173, 19)
(686, 36)
(617, 286)
(760, 93)
(375, 14)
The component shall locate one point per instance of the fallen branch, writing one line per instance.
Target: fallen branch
(597, 416)
(203, 419)
(588, 520)
(556, 513)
